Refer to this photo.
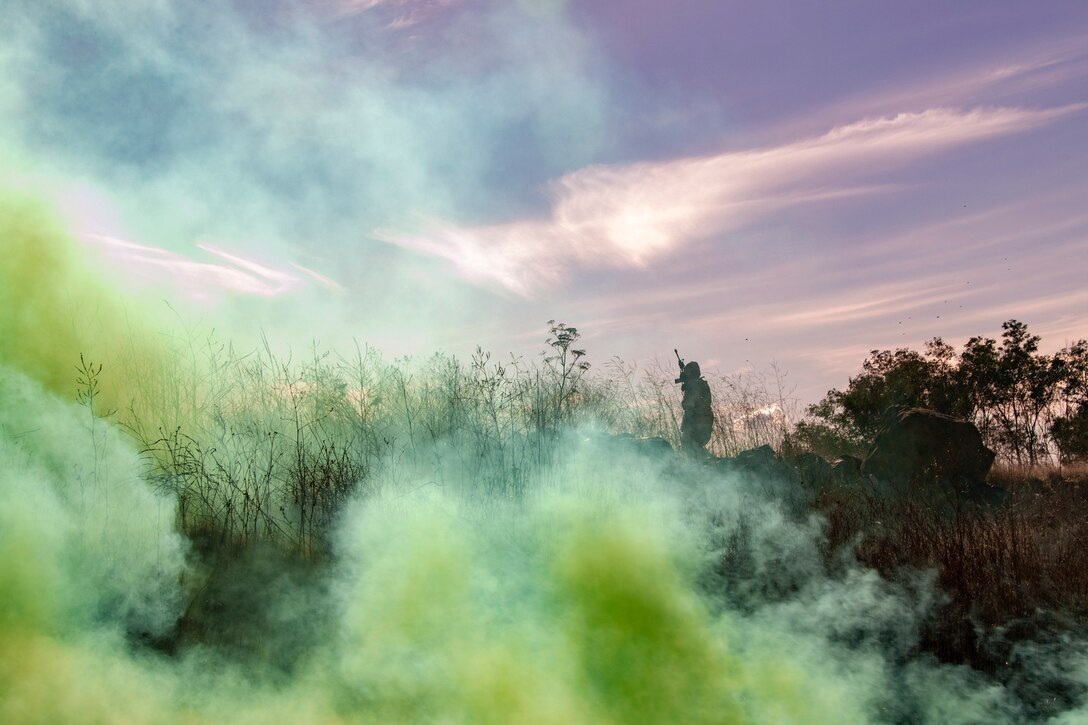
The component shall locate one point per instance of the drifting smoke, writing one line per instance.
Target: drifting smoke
(580, 604)
(600, 595)
(55, 306)
(288, 133)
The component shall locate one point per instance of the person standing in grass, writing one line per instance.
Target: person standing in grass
(698, 421)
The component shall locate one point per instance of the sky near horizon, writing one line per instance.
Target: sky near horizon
(748, 182)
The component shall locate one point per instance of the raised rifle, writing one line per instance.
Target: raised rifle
(681, 378)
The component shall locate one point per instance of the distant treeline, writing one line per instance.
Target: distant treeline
(1030, 407)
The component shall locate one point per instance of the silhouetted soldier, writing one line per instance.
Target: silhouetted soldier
(698, 419)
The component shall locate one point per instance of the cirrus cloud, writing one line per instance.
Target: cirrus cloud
(626, 215)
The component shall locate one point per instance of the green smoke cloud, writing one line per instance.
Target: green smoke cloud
(580, 604)
(89, 553)
(57, 305)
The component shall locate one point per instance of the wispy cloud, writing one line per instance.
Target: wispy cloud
(866, 304)
(233, 274)
(997, 81)
(348, 7)
(404, 13)
(626, 215)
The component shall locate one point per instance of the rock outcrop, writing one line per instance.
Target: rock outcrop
(921, 446)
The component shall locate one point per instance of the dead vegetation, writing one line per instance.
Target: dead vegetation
(1016, 569)
(266, 451)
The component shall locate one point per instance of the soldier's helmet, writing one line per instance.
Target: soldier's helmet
(691, 371)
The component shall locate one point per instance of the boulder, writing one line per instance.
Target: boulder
(918, 445)
(760, 464)
(762, 457)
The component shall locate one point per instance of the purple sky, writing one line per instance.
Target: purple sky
(791, 181)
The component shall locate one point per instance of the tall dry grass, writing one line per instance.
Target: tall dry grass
(1016, 563)
(258, 446)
